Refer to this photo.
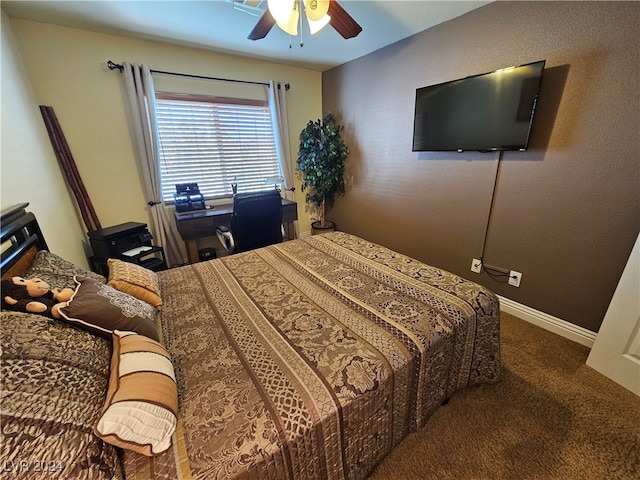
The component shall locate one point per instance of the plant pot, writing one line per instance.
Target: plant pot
(317, 228)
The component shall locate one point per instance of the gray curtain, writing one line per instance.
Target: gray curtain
(140, 94)
(276, 93)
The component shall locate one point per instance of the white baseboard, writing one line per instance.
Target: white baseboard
(548, 322)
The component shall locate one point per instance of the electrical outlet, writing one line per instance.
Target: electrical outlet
(515, 278)
(476, 265)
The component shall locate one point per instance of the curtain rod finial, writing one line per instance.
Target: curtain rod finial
(113, 66)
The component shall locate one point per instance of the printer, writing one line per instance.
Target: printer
(188, 197)
(130, 242)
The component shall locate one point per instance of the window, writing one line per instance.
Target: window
(215, 142)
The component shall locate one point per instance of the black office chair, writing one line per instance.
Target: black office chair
(256, 222)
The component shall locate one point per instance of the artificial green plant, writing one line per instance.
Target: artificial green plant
(320, 163)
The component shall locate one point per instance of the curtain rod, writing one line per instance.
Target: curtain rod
(114, 66)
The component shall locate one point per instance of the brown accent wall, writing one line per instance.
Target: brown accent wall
(566, 211)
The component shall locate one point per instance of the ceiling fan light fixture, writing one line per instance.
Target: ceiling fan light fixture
(291, 25)
(287, 15)
(316, 26)
(281, 10)
(316, 9)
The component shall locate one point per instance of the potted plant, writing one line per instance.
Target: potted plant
(320, 164)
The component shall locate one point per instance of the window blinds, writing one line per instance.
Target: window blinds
(215, 142)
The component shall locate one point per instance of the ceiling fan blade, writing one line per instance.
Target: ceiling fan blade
(264, 26)
(342, 22)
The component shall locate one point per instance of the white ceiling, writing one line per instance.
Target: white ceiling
(217, 25)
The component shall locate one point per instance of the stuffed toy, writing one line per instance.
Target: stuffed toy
(33, 295)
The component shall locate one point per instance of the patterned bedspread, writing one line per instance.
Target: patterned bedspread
(312, 359)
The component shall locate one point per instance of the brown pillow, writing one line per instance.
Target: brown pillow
(135, 280)
(140, 410)
(100, 309)
(57, 271)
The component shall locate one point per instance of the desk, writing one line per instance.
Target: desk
(203, 223)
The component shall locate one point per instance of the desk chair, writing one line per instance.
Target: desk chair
(256, 222)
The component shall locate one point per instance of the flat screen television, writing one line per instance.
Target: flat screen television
(486, 112)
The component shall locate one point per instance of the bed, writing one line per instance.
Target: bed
(310, 359)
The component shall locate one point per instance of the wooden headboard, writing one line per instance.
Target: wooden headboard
(21, 238)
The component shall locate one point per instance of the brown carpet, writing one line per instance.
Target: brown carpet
(552, 417)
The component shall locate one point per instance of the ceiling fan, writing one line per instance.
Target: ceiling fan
(287, 14)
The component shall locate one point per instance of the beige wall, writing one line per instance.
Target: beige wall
(29, 171)
(566, 212)
(66, 68)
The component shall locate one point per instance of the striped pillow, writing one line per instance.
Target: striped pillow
(142, 400)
